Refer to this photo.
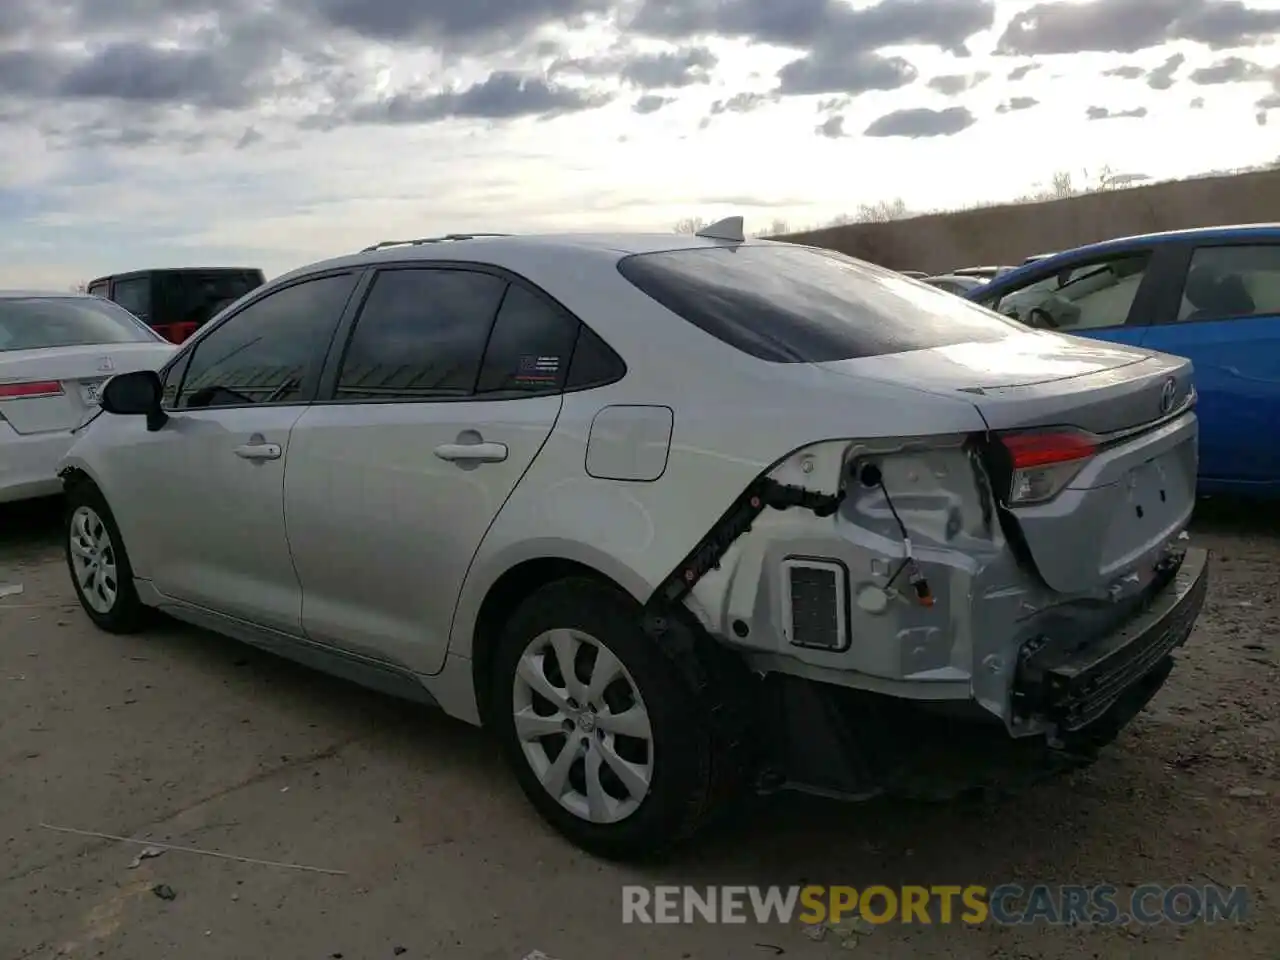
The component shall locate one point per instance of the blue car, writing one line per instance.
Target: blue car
(1210, 294)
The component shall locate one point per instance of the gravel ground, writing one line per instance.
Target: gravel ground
(183, 737)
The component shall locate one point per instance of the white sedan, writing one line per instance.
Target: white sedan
(56, 351)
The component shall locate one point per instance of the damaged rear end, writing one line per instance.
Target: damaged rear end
(913, 598)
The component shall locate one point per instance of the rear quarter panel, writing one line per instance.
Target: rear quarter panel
(734, 417)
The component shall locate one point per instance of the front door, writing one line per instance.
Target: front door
(395, 476)
(1227, 322)
(209, 485)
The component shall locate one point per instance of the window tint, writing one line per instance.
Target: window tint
(1232, 282)
(1087, 296)
(594, 362)
(271, 351)
(530, 347)
(30, 323)
(421, 333)
(134, 295)
(788, 303)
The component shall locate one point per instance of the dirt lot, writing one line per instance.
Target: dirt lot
(189, 739)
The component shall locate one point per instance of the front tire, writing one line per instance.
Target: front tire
(605, 736)
(98, 564)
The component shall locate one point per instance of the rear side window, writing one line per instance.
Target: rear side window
(134, 295)
(99, 289)
(791, 304)
(33, 323)
(1232, 281)
(530, 347)
(421, 334)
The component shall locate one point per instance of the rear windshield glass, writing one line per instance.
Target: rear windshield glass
(31, 323)
(197, 296)
(787, 303)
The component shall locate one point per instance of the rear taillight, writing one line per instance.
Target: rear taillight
(1043, 462)
(30, 390)
(179, 332)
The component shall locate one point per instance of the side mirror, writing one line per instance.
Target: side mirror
(136, 394)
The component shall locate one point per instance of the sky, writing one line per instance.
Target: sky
(273, 133)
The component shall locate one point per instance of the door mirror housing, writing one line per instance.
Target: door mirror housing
(136, 394)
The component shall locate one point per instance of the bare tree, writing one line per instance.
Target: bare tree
(882, 211)
(689, 225)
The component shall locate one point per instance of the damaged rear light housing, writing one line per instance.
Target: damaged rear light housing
(1043, 462)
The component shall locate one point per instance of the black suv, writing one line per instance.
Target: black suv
(177, 302)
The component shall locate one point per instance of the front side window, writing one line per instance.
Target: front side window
(421, 334)
(1084, 296)
(1234, 281)
(32, 323)
(271, 351)
(134, 295)
(787, 303)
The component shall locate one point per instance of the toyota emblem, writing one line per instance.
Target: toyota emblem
(1167, 394)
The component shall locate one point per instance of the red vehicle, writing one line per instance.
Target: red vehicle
(177, 302)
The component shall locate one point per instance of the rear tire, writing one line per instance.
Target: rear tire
(641, 775)
(98, 564)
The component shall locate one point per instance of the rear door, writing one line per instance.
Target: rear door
(1104, 297)
(1223, 312)
(447, 388)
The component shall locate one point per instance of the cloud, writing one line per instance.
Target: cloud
(745, 102)
(1103, 113)
(682, 67)
(855, 74)
(1229, 70)
(1127, 26)
(954, 84)
(841, 41)
(1015, 104)
(1197, 103)
(1161, 78)
(832, 128)
(651, 103)
(501, 96)
(451, 25)
(1125, 73)
(921, 122)
(1018, 73)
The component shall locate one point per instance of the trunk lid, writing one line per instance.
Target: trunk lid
(57, 388)
(1119, 505)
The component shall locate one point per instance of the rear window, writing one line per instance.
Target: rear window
(32, 323)
(793, 304)
(196, 296)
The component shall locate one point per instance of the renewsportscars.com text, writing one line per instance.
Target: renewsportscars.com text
(1007, 904)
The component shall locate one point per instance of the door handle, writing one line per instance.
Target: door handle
(472, 452)
(258, 451)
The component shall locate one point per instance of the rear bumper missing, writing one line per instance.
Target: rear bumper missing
(817, 733)
(1074, 688)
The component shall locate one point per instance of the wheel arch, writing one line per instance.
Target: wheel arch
(511, 588)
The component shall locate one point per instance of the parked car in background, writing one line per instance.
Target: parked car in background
(56, 351)
(1210, 294)
(954, 283)
(458, 471)
(177, 302)
(983, 273)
